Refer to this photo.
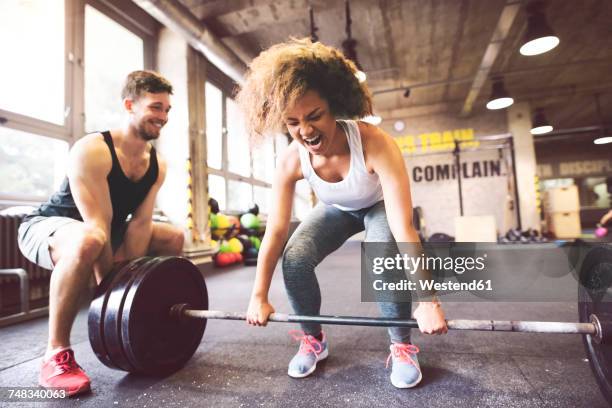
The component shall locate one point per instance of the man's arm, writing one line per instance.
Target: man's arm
(140, 228)
(88, 166)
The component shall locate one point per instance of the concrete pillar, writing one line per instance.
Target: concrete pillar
(519, 124)
(173, 144)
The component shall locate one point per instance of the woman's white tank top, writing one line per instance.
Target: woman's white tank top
(358, 190)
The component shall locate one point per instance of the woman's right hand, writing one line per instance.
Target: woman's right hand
(258, 312)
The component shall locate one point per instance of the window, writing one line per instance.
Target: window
(262, 196)
(263, 161)
(239, 174)
(107, 66)
(32, 72)
(238, 153)
(594, 192)
(214, 125)
(239, 195)
(32, 166)
(45, 77)
(216, 189)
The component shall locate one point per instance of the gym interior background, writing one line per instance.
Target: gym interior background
(532, 172)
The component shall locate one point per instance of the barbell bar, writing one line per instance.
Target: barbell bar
(149, 316)
(182, 311)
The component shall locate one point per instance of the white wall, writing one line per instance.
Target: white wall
(439, 199)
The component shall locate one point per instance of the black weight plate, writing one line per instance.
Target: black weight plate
(97, 311)
(155, 342)
(112, 318)
(595, 297)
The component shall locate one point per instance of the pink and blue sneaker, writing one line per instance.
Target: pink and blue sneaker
(405, 371)
(311, 351)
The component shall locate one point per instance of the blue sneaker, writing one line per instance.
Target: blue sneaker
(310, 353)
(405, 372)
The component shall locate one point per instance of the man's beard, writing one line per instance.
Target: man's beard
(142, 132)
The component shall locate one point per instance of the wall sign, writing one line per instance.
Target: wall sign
(471, 169)
(577, 168)
(436, 141)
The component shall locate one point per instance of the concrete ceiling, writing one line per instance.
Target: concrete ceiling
(438, 45)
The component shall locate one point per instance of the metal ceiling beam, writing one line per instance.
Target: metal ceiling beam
(524, 71)
(178, 18)
(506, 19)
(560, 93)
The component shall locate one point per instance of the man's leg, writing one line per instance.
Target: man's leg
(74, 249)
(166, 239)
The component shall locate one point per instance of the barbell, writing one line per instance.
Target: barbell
(149, 315)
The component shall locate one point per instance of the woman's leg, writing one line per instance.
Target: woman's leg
(324, 230)
(377, 230)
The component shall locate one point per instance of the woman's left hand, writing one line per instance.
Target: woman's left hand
(430, 317)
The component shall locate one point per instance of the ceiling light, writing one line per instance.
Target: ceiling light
(499, 96)
(540, 124)
(373, 120)
(540, 130)
(603, 140)
(539, 37)
(399, 125)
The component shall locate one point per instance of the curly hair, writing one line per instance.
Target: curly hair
(285, 72)
(138, 82)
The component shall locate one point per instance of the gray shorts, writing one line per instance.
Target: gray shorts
(33, 238)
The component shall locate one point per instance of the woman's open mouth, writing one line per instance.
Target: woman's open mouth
(314, 141)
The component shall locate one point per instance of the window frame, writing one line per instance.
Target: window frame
(131, 17)
(224, 171)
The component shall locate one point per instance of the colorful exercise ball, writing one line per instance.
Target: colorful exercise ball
(223, 221)
(214, 205)
(234, 221)
(249, 220)
(225, 247)
(256, 242)
(251, 253)
(213, 221)
(235, 245)
(224, 259)
(245, 241)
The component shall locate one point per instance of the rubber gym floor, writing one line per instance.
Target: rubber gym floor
(241, 366)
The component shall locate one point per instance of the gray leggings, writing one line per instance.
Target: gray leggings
(324, 230)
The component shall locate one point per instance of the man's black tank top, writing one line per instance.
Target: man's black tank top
(126, 195)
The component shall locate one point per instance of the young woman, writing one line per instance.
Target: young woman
(358, 174)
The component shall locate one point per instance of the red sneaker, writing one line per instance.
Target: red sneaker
(62, 371)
